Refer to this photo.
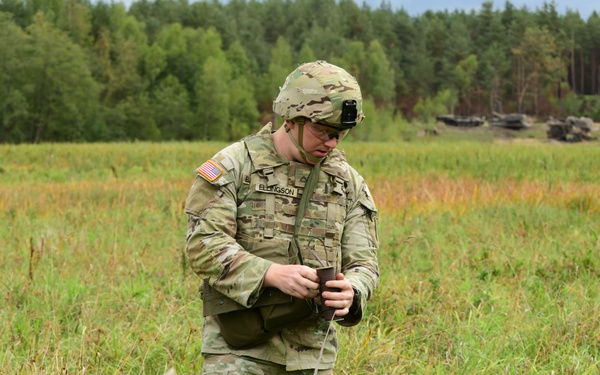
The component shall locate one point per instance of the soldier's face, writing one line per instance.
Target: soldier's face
(314, 141)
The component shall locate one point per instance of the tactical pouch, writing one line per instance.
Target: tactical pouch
(243, 327)
(278, 317)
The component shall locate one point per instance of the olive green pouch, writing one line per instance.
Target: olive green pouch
(243, 327)
(278, 317)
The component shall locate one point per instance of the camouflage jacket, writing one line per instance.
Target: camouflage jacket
(241, 215)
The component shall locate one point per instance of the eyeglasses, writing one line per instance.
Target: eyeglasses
(324, 133)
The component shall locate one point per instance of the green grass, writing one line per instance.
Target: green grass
(489, 259)
(485, 292)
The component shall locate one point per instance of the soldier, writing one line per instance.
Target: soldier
(257, 245)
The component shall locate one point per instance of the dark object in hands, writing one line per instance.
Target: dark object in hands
(325, 274)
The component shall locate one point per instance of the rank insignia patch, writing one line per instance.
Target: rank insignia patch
(210, 170)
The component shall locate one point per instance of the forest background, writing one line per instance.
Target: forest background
(80, 71)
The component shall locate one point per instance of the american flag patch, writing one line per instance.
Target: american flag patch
(210, 171)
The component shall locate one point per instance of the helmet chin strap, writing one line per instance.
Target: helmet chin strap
(308, 158)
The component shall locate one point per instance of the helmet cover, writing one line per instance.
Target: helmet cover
(318, 91)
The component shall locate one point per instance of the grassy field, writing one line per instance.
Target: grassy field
(489, 259)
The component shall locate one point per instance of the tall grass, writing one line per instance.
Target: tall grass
(488, 259)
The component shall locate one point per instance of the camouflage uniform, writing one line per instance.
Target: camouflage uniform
(242, 208)
(231, 364)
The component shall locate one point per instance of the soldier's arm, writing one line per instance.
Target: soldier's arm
(359, 253)
(211, 249)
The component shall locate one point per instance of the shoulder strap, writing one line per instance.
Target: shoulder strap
(309, 188)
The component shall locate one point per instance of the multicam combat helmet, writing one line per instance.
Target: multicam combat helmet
(323, 93)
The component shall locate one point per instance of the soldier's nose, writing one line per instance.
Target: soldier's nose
(332, 142)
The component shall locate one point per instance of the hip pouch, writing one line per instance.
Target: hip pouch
(243, 327)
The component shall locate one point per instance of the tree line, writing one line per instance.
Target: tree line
(80, 71)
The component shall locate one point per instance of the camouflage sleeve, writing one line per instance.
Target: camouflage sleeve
(211, 249)
(360, 242)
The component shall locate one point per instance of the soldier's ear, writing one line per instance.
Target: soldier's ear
(290, 124)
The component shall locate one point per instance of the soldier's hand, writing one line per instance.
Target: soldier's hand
(293, 279)
(342, 300)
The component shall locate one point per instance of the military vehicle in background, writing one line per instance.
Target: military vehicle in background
(571, 129)
(463, 121)
(513, 121)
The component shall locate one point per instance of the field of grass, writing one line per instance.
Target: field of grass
(489, 259)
